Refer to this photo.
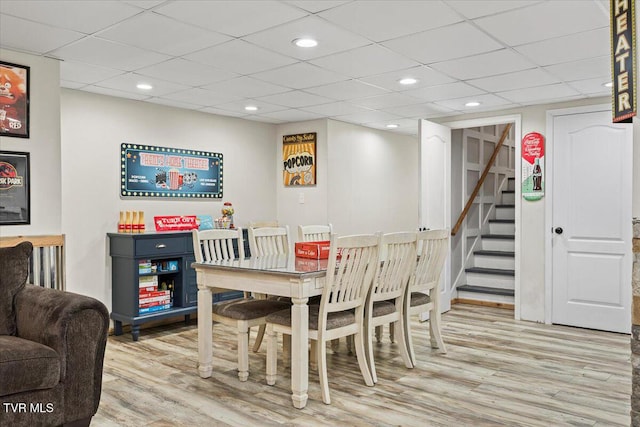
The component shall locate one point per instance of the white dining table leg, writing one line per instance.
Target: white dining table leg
(205, 344)
(299, 352)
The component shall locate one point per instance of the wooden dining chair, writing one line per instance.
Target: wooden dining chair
(423, 293)
(341, 309)
(314, 233)
(243, 313)
(385, 301)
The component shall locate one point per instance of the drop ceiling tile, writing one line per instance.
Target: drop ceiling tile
(517, 80)
(348, 89)
(426, 77)
(581, 70)
(186, 72)
(574, 47)
(235, 18)
(484, 65)
(205, 98)
(85, 73)
(18, 34)
(115, 92)
(540, 93)
(109, 54)
(463, 39)
(295, 99)
(544, 20)
(246, 87)
(240, 57)
(447, 91)
(421, 110)
(220, 112)
(237, 107)
(472, 9)
(384, 20)
(591, 87)
(71, 85)
(368, 117)
(127, 83)
(300, 76)
(291, 115)
(331, 38)
(364, 61)
(387, 100)
(409, 126)
(145, 4)
(336, 109)
(486, 101)
(83, 16)
(265, 119)
(315, 6)
(160, 34)
(173, 103)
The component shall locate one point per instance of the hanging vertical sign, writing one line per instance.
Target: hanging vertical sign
(623, 60)
(533, 166)
(299, 158)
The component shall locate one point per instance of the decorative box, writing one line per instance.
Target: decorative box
(313, 250)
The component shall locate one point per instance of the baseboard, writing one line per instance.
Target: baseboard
(483, 303)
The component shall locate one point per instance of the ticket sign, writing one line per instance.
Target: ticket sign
(532, 166)
(623, 59)
(149, 171)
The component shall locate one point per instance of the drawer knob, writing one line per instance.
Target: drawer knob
(160, 246)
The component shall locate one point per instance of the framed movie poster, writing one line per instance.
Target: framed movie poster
(14, 188)
(299, 158)
(150, 171)
(14, 100)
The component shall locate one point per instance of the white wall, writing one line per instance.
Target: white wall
(373, 180)
(43, 145)
(94, 126)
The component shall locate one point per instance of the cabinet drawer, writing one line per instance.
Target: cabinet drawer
(160, 246)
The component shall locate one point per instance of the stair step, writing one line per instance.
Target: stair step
(499, 236)
(502, 221)
(496, 271)
(486, 290)
(508, 191)
(510, 254)
(507, 206)
(502, 226)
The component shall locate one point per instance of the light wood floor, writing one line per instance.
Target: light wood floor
(497, 372)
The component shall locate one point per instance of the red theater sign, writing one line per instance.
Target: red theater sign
(623, 63)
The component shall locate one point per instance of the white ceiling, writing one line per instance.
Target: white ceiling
(219, 56)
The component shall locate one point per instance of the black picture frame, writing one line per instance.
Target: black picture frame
(15, 193)
(14, 100)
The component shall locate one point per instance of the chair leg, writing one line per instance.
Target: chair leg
(321, 349)
(392, 332)
(258, 341)
(243, 351)
(362, 362)
(379, 331)
(407, 338)
(335, 344)
(368, 348)
(435, 333)
(313, 355)
(272, 355)
(350, 344)
(402, 345)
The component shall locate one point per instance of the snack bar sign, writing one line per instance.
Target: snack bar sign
(149, 171)
(623, 59)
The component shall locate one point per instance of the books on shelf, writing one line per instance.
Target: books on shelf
(154, 308)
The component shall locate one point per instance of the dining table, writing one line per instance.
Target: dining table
(274, 275)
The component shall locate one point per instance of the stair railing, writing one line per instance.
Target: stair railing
(480, 182)
(46, 266)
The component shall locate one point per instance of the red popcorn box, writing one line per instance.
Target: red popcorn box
(313, 250)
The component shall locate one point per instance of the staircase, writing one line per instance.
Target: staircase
(491, 277)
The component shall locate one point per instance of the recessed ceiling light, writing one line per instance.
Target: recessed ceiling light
(408, 81)
(608, 84)
(144, 86)
(472, 104)
(392, 126)
(251, 108)
(305, 42)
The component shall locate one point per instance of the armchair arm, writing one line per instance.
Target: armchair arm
(76, 327)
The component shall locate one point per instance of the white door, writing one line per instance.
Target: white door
(591, 211)
(435, 190)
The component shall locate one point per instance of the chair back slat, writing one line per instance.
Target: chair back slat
(314, 233)
(269, 241)
(216, 245)
(433, 246)
(396, 265)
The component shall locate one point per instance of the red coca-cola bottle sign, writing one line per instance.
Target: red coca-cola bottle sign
(532, 147)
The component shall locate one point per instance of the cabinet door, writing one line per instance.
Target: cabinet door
(190, 286)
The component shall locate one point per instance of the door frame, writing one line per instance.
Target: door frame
(548, 189)
(498, 120)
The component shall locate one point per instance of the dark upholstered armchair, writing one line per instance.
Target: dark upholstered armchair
(51, 349)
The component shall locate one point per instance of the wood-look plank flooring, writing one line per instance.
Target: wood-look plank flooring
(497, 372)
